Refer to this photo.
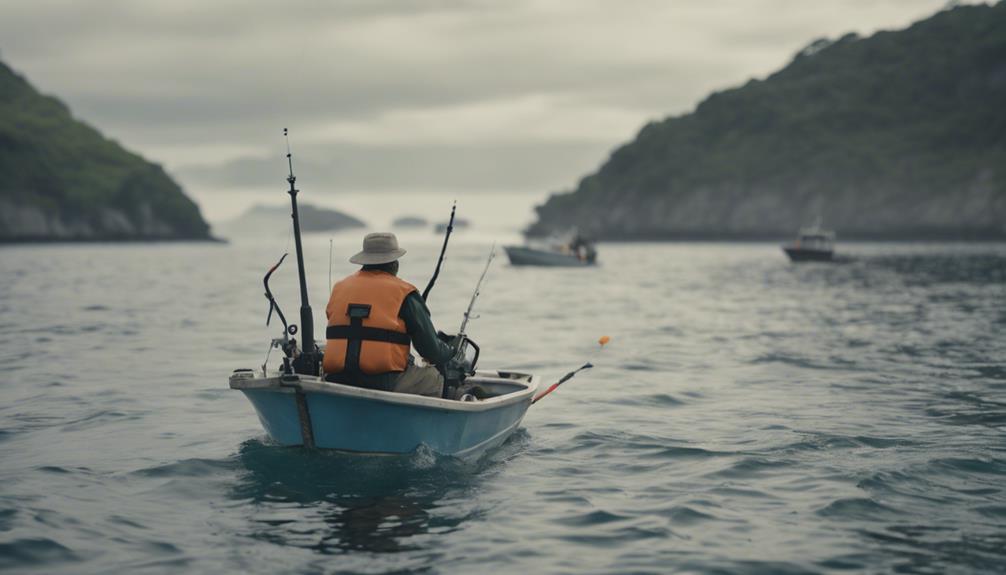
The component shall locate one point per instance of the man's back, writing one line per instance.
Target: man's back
(365, 331)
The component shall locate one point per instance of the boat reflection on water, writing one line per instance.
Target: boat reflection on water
(331, 502)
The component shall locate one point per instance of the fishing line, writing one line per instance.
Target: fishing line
(265, 364)
(590, 363)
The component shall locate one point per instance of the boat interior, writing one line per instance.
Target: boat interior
(490, 383)
(499, 383)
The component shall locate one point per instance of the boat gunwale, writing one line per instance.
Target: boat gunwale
(313, 384)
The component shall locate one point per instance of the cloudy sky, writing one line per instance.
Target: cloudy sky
(381, 95)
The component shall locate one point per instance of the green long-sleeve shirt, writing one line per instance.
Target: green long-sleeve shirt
(420, 327)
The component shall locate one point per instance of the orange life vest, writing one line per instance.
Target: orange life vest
(365, 334)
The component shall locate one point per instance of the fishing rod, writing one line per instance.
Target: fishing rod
(478, 290)
(307, 362)
(443, 250)
(289, 346)
(460, 366)
(604, 340)
(273, 305)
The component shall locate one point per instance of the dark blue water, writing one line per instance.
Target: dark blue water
(749, 416)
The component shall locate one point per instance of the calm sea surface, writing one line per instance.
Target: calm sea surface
(749, 416)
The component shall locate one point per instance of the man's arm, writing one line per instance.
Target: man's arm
(420, 328)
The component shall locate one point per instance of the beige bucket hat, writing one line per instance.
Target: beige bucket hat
(378, 248)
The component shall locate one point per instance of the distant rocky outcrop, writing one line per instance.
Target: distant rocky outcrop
(261, 219)
(459, 224)
(61, 180)
(410, 222)
(897, 136)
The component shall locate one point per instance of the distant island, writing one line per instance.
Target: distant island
(459, 224)
(901, 135)
(410, 222)
(261, 219)
(61, 180)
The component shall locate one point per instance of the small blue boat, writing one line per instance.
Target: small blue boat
(355, 419)
(297, 406)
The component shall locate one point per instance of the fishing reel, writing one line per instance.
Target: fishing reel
(287, 343)
(462, 363)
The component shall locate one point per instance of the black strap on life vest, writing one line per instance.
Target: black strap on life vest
(368, 334)
(355, 333)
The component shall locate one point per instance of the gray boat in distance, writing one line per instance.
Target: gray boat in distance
(568, 250)
(812, 244)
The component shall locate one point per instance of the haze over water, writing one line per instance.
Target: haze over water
(749, 416)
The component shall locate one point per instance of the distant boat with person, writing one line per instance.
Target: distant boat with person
(569, 250)
(812, 244)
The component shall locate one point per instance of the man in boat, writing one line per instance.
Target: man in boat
(373, 318)
(581, 248)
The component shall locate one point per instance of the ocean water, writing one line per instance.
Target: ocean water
(749, 416)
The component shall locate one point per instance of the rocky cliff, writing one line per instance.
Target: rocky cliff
(61, 180)
(899, 135)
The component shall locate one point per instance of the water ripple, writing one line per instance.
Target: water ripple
(749, 416)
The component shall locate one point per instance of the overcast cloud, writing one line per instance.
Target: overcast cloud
(385, 95)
